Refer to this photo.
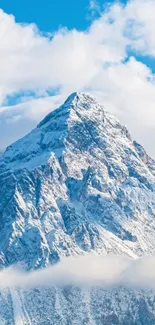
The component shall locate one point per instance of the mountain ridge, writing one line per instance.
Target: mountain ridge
(77, 184)
(74, 185)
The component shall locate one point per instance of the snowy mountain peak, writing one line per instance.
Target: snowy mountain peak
(75, 103)
(78, 98)
(74, 124)
(76, 184)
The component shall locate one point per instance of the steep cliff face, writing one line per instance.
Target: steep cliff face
(75, 184)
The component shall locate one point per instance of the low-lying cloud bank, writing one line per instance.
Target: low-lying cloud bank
(86, 270)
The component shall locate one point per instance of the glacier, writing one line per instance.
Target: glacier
(76, 184)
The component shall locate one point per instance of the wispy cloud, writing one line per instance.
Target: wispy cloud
(94, 8)
(87, 270)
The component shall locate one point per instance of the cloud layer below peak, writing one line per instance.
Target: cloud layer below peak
(91, 270)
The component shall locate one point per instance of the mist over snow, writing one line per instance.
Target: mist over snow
(87, 270)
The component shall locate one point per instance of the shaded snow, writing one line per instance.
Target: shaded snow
(76, 184)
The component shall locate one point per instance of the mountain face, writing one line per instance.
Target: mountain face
(76, 306)
(76, 184)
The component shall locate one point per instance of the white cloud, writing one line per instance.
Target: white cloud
(32, 108)
(94, 8)
(18, 120)
(95, 60)
(85, 270)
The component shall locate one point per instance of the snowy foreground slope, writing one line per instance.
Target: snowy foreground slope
(75, 306)
(76, 184)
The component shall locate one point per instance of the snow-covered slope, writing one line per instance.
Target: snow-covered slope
(77, 183)
(76, 306)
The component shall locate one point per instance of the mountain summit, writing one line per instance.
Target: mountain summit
(76, 184)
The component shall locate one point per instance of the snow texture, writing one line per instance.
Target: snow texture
(77, 183)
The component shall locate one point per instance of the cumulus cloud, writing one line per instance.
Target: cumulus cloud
(96, 61)
(91, 270)
(18, 120)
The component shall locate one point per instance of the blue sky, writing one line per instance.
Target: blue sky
(108, 51)
(49, 15)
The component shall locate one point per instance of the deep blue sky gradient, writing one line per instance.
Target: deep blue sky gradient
(49, 15)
